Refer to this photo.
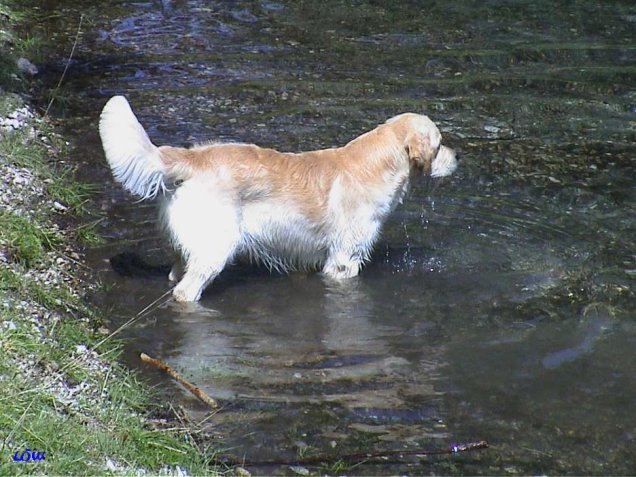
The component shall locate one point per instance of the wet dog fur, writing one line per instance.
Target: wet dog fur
(311, 210)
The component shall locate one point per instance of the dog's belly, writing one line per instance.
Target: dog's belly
(279, 236)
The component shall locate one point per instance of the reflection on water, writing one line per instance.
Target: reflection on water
(499, 306)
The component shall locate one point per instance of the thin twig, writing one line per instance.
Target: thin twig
(136, 317)
(68, 62)
(361, 456)
(198, 392)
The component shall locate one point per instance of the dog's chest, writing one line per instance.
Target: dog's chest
(391, 194)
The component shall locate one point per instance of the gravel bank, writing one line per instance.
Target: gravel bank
(61, 396)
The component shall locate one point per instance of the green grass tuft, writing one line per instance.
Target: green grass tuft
(71, 193)
(24, 241)
(88, 235)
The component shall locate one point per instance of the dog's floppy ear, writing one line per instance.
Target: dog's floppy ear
(419, 149)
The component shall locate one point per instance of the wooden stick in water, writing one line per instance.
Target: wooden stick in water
(198, 392)
(362, 457)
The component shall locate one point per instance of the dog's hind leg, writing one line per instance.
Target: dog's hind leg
(205, 262)
(207, 234)
(176, 272)
(193, 283)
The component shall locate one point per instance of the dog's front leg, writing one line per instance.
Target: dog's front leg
(341, 265)
(349, 250)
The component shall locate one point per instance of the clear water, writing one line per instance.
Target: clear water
(499, 306)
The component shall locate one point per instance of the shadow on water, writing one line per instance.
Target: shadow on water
(498, 307)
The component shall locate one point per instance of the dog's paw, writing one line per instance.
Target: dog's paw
(176, 272)
(174, 276)
(184, 294)
(341, 271)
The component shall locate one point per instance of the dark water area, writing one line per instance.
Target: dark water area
(499, 306)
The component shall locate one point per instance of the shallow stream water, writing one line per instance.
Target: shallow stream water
(498, 306)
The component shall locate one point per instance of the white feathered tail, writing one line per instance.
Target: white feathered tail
(134, 160)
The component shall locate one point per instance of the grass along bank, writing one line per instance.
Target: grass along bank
(66, 406)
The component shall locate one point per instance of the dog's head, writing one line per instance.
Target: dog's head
(423, 144)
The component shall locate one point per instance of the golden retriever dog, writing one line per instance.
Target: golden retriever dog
(310, 210)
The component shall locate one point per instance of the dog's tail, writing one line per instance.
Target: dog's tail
(135, 161)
